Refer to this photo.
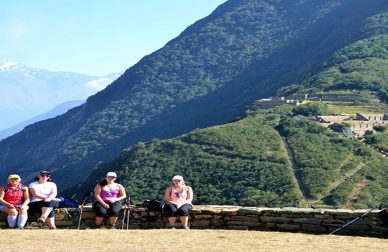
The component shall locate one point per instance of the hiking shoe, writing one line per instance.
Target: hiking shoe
(186, 227)
(96, 226)
(41, 220)
(54, 227)
(111, 226)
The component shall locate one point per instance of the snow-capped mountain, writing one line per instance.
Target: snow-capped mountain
(26, 92)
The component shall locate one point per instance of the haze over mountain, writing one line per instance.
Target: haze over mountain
(58, 110)
(244, 50)
(26, 92)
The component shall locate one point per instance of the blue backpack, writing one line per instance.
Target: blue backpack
(68, 203)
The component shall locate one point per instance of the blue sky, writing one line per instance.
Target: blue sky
(95, 37)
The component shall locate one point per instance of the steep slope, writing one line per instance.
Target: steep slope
(239, 163)
(242, 51)
(244, 163)
(361, 66)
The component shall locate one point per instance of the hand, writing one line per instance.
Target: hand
(47, 200)
(112, 201)
(105, 205)
(11, 207)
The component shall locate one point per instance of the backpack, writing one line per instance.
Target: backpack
(154, 205)
(68, 203)
(384, 216)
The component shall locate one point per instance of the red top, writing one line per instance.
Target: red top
(14, 196)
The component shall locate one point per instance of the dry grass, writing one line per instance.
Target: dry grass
(180, 240)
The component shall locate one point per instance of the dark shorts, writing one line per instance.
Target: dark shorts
(36, 207)
(172, 210)
(112, 211)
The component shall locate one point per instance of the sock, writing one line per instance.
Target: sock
(11, 220)
(22, 220)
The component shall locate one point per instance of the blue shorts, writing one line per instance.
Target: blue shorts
(2, 207)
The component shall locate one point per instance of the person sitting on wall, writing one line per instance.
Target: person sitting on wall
(14, 199)
(108, 195)
(178, 198)
(43, 198)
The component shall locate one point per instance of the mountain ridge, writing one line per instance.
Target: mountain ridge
(194, 81)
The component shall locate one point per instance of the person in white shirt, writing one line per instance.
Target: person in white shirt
(43, 192)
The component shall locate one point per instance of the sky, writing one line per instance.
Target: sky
(95, 37)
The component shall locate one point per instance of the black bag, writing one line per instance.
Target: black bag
(154, 205)
(384, 216)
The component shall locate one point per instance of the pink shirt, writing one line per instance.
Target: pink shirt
(178, 198)
(109, 194)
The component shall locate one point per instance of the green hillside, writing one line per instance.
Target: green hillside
(360, 66)
(246, 163)
(239, 163)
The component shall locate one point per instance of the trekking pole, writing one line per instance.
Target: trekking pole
(128, 211)
(81, 208)
(350, 222)
(124, 213)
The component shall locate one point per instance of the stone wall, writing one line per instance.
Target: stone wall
(307, 220)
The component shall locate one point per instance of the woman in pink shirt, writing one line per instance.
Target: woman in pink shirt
(108, 195)
(178, 198)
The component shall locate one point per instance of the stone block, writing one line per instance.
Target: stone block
(245, 218)
(310, 221)
(313, 228)
(200, 223)
(274, 219)
(252, 224)
(288, 227)
(249, 210)
(234, 223)
(203, 216)
(238, 227)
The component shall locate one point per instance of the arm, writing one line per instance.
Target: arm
(97, 191)
(123, 195)
(35, 194)
(189, 195)
(167, 196)
(53, 193)
(2, 201)
(26, 197)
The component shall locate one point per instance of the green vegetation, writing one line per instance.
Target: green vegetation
(240, 163)
(311, 109)
(378, 139)
(245, 163)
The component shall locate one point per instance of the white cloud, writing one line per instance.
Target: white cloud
(99, 84)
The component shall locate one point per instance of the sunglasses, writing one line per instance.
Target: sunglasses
(45, 175)
(111, 177)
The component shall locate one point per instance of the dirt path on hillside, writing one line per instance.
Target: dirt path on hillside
(344, 177)
(297, 172)
(357, 190)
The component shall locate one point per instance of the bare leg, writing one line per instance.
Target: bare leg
(112, 220)
(51, 222)
(171, 221)
(184, 220)
(46, 211)
(99, 220)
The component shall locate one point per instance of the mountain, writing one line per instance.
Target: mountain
(57, 110)
(244, 50)
(27, 92)
(246, 163)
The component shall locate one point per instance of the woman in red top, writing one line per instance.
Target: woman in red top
(178, 198)
(14, 199)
